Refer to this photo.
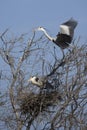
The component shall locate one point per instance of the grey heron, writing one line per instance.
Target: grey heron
(41, 82)
(65, 36)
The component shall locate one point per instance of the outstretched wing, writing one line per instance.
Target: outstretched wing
(68, 27)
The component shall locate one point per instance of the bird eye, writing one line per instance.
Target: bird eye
(37, 79)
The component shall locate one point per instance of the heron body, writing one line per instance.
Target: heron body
(65, 36)
(63, 40)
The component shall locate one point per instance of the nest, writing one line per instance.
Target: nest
(32, 104)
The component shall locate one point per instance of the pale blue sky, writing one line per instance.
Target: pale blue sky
(24, 15)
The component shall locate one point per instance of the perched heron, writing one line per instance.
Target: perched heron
(65, 36)
(41, 82)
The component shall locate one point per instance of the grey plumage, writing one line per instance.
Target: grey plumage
(65, 36)
(41, 82)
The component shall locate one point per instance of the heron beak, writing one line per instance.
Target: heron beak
(29, 80)
(33, 30)
(36, 29)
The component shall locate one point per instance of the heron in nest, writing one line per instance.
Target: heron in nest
(41, 82)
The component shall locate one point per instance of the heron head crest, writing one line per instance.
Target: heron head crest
(40, 29)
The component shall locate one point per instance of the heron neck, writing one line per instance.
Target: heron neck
(47, 35)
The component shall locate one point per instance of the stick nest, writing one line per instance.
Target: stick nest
(33, 104)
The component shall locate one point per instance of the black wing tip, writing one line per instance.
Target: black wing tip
(72, 19)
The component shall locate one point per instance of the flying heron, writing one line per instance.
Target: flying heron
(65, 36)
